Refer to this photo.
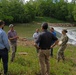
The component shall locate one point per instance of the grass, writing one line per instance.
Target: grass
(29, 64)
(25, 30)
(47, 19)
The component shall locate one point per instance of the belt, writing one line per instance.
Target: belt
(45, 48)
(3, 49)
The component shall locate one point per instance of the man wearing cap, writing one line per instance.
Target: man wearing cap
(12, 35)
(45, 43)
(4, 47)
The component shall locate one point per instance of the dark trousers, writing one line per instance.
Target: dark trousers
(51, 52)
(4, 56)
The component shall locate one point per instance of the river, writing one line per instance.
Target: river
(71, 33)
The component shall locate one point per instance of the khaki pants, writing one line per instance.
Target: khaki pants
(44, 61)
(14, 48)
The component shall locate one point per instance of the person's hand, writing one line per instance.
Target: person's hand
(51, 46)
(36, 46)
(59, 43)
(16, 37)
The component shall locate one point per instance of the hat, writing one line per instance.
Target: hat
(11, 25)
(45, 25)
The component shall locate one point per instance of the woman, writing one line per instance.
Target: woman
(62, 44)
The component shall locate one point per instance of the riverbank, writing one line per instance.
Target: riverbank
(62, 24)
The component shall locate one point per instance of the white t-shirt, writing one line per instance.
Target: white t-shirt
(35, 35)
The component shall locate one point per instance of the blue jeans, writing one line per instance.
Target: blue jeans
(4, 56)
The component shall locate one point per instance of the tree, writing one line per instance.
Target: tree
(74, 13)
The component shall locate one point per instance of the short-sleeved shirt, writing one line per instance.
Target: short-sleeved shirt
(45, 39)
(12, 34)
(35, 35)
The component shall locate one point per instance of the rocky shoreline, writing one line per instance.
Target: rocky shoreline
(62, 24)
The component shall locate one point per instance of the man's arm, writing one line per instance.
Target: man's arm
(36, 46)
(16, 37)
(55, 43)
(12, 38)
(5, 40)
(54, 38)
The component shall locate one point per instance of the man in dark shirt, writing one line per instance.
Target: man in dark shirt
(45, 43)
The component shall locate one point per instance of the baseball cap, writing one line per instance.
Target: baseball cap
(11, 25)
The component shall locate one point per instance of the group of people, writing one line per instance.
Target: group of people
(5, 46)
(44, 43)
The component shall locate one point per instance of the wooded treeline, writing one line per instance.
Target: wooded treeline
(19, 12)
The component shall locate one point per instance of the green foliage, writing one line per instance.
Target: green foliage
(59, 10)
(74, 12)
(47, 19)
(19, 12)
(16, 11)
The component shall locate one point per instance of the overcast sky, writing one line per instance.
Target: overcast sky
(28, 0)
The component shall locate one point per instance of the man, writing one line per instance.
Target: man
(4, 47)
(35, 36)
(12, 35)
(54, 33)
(45, 41)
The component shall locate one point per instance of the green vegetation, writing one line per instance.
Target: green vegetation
(29, 64)
(47, 19)
(15, 11)
(19, 12)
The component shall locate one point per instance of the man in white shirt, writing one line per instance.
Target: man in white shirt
(35, 36)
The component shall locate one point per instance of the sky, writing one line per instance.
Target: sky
(68, 0)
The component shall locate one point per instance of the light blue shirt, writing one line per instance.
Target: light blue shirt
(4, 40)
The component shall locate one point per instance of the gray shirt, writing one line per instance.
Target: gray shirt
(12, 34)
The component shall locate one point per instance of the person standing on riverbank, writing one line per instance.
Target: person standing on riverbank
(4, 47)
(12, 35)
(45, 43)
(63, 45)
(54, 33)
(35, 36)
